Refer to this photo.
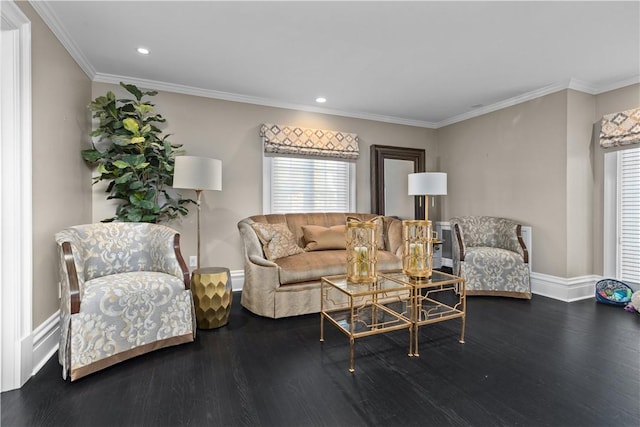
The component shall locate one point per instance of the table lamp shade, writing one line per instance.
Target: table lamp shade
(197, 173)
(427, 183)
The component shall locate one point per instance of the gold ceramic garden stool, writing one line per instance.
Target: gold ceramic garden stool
(212, 297)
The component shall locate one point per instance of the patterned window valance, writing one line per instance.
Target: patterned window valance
(620, 129)
(309, 142)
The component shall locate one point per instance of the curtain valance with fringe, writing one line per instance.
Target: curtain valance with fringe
(309, 142)
(620, 129)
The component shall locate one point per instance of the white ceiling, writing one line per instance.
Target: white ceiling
(419, 63)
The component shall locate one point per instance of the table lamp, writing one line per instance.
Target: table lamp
(417, 235)
(197, 173)
(427, 184)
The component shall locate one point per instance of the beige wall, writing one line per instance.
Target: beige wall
(229, 131)
(61, 181)
(512, 163)
(538, 162)
(606, 103)
(580, 118)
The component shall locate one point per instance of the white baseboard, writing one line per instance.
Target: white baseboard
(564, 289)
(45, 341)
(237, 280)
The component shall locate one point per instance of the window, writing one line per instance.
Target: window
(296, 184)
(629, 215)
(622, 215)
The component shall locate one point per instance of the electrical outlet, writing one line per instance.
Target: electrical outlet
(193, 261)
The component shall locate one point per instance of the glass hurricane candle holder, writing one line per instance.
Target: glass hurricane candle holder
(417, 253)
(361, 251)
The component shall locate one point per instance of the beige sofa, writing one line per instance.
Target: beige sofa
(282, 279)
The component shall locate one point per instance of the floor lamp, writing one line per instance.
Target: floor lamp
(197, 173)
(417, 235)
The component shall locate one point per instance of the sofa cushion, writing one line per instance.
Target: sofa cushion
(310, 266)
(277, 240)
(320, 238)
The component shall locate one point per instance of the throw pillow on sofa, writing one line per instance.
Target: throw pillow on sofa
(277, 240)
(319, 238)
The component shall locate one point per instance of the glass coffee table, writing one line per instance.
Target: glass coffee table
(439, 298)
(364, 309)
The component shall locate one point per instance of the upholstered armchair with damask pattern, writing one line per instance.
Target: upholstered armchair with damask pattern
(125, 292)
(490, 255)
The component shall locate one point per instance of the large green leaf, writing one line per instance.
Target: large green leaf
(91, 156)
(144, 108)
(121, 140)
(102, 169)
(132, 89)
(120, 164)
(134, 159)
(136, 185)
(134, 216)
(124, 178)
(131, 125)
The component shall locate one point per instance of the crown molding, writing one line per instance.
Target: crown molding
(504, 104)
(582, 86)
(43, 9)
(228, 96)
(51, 20)
(573, 84)
(618, 84)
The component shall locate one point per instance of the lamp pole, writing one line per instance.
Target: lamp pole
(198, 194)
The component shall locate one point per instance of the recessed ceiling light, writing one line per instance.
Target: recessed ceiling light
(143, 51)
(321, 100)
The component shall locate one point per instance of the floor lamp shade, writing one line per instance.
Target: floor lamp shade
(197, 173)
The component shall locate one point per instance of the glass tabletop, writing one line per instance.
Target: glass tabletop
(437, 278)
(382, 284)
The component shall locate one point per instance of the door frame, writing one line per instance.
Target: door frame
(16, 255)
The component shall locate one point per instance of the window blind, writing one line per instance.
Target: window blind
(629, 215)
(309, 185)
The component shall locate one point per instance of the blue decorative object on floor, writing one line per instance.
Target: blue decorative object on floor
(612, 291)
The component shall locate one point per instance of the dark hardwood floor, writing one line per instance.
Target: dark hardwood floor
(532, 363)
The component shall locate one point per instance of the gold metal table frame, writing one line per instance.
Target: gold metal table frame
(364, 309)
(394, 301)
(439, 298)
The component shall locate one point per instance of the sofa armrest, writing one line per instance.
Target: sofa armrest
(261, 280)
(69, 278)
(251, 243)
(186, 276)
(258, 260)
(525, 252)
(163, 247)
(460, 242)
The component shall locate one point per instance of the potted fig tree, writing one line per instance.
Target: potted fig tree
(135, 158)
